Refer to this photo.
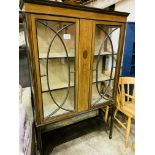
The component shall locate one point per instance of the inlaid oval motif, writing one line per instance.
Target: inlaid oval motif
(85, 54)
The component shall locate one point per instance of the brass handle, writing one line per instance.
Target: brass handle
(85, 54)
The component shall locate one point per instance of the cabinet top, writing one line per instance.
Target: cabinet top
(75, 7)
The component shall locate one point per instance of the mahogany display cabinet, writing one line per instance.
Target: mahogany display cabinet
(75, 55)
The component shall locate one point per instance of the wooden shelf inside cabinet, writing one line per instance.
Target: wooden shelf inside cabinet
(59, 74)
(56, 54)
(101, 77)
(104, 53)
(70, 54)
(59, 82)
(97, 98)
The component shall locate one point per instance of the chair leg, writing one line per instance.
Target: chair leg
(39, 141)
(106, 114)
(128, 132)
(115, 113)
(133, 145)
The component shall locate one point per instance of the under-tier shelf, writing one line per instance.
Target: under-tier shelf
(49, 106)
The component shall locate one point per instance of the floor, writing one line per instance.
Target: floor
(89, 137)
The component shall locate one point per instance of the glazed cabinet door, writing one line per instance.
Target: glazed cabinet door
(55, 47)
(105, 64)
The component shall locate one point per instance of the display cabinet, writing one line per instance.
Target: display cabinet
(75, 55)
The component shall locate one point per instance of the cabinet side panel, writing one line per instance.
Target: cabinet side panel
(118, 64)
(38, 103)
(32, 65)
(85, 37)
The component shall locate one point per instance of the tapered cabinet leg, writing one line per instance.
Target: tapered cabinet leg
(111, 123)
(39, 141)
(128, 132)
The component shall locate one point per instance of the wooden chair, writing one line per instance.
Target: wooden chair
(125, 102)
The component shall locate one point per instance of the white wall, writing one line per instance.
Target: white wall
(120, 5)
(102, 3)
(127, 6)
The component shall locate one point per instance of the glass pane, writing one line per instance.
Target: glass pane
(104, 62)
(51, 109)
(56, 44)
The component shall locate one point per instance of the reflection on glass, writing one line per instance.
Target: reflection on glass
(56, 45)
(104, 62)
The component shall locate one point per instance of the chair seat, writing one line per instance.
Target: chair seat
(129, 109)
